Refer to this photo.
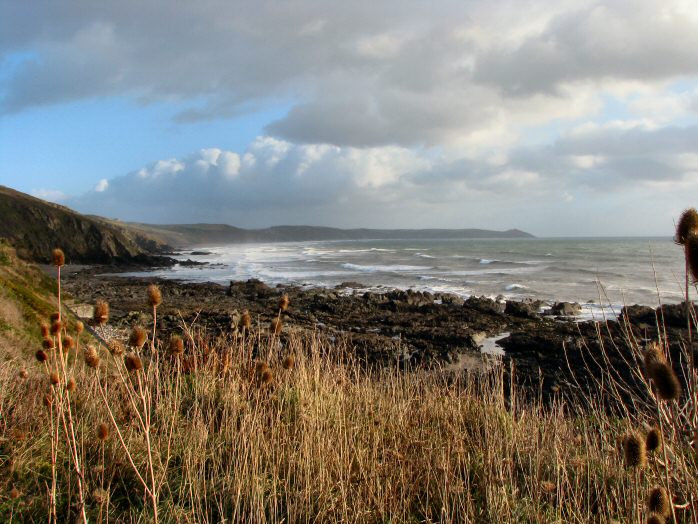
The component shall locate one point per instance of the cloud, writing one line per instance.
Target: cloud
(52, 195)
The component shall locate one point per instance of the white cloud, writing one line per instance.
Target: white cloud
(52, 195)
(102, 185)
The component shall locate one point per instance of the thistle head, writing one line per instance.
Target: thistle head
(688, 224)
(91, 357)
(283, 302)
(176, 346)
(133, 362)
(653, 440)
(102, 432)
(138, 337)
(58, 257)
(154, 295)
(634, 451)
(115, 347)
(101, 312)
(666, 382)
(658, 502)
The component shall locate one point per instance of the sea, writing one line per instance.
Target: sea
(602, 274)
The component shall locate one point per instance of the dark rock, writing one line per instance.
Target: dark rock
(565, 309)
(485, 305)
(638, 314)
(350, 285)
(523, 309)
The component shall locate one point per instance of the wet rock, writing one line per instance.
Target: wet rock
(565, 309)
(485, 305)
(638, 314)
(526, 309)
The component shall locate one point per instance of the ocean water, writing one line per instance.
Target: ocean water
(596, 272)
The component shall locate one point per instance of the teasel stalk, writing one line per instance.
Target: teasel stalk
(154, 299)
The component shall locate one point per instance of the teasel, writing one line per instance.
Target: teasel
(266, 377)
(102, 432)
(176, 345)
(14, 493)
(58, 257)
(79, 327)
(71, 385)
(91, 357)
(276, 326)
(115, 347)
(68, 342)
(653, 440)
(691, 248)
(48, 400)
(48, 343)
(283, 302)
(45, 332)
(288, 362)
(101, 312)
(260, 367)
(666, 382)
(138, 337)
(688, 225)
(653, 355)
(133, 362)
(154, 295)
(634, 451)
(41, 355)
(56, 327)
(23, 374)
(246, 320)
(658, 502)
(54, 378)
(654, 518)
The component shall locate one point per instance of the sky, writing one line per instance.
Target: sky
(565, 118)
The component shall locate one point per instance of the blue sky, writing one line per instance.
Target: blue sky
(573, 118)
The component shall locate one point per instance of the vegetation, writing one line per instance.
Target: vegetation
(253, 427)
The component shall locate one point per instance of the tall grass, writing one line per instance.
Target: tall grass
(267, 426)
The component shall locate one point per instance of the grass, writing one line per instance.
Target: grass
(202, 437)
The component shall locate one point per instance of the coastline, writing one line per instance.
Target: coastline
(552, 353)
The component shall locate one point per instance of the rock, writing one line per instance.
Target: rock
(350, 285)
(485, 305)
(527, 309)
(565, 309)
(638, 314)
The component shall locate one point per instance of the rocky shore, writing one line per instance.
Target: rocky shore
(549, 350)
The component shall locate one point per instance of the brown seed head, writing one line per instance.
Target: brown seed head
(665, 381)
(71, 385)
(654, 354)
(688, 224)
(266, 377)
(653, 440)
(138, 337)
(102, 432)
(56, 327)
(23, 374)
(692, 254)
(79, 327)
(115, 347)
(176, 345)
(654, 518)
(658, 502)
(54, 378)
(68, 342)
(133, 362)
(260, 367)
(58, 257)
(634, 451)
(41, 355)
(154, 295)
(47, 343)
(283, 302)
(91, 357)
(246, 320)
(45, 332)
(101, 312)
(53, 317)
(100, 495)
(288, 362)
(14, 493)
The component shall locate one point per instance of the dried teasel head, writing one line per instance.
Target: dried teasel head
(68, 342)
(138, 337)
(48, 343)
(71, 385)
(79, 327)
(23, 374)
(688, 225)
(266, 377)
(654, 354)
(655, 518)
(288, 362)
(246, 320)
(666, 383)
(56, 327)
(91, 357)
(115, 347)
(692, 255)
(58, 257)
(101, 312)
(102, 432)
(154, 295)
(133, 362)
(41, 355)
(283, 302)
(45, 332)
(634, 451)
(176, 346)
(653, 440)
(15, 493)
(260, 367)
(658, 502)
(54, 379)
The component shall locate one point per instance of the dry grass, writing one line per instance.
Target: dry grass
(207, 436)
